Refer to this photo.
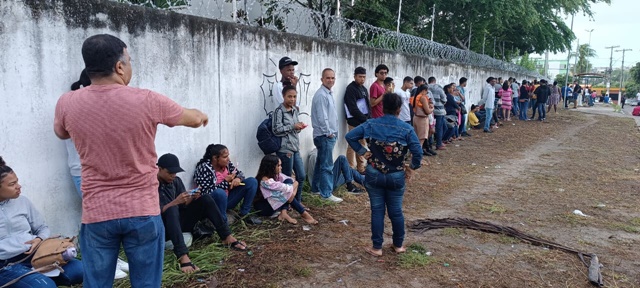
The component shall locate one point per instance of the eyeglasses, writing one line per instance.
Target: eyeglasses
(383, 73)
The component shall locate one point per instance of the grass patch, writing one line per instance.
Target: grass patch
(626, 228)
(416, 256)
(507, 239)
(635, 221)
(303, 272)
(491, 207)
(452, 231)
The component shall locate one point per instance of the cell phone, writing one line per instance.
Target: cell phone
(194, 191)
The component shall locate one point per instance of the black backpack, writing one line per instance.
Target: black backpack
(268, 141)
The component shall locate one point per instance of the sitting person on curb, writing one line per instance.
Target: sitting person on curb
(342, 173)
(181, 210)
(474, 122)
(278, 192)
(216, 175)
(21, 232)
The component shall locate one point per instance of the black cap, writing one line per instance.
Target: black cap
(286, 61)
(170, 162)
(360, 71)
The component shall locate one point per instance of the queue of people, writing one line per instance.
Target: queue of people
(110, 129)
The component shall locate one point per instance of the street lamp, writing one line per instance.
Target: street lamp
(589, 70)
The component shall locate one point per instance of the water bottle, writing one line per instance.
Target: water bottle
(69, 254)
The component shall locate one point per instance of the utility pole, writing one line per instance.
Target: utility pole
(399, 13)
(589, 70)
(484, 40)
(433, 20)
(621, 75)
(566, 78)
(610, 67)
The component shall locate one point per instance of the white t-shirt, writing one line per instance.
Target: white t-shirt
(276, 97)
(405, 114)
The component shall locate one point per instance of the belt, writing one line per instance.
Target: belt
(17, 258)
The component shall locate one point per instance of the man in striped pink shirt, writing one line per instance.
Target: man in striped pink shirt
(113, 127)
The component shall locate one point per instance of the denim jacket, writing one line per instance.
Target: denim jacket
(389, 139)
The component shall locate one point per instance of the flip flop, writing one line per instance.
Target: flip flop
(189, 264)
(234, 246)
(373, 253)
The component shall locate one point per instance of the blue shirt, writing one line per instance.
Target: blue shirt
(324, 116)
(565, 91)
(387, 132)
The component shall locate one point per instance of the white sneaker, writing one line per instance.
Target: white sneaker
(334, 199)
(121, 265)
(119, 274)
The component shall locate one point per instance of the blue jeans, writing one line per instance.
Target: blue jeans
(343, 173)
(541, 112)
(293, 164)
(143, 242)
(463, 125)
(487, 122)
(441, 127)
(385, 193)
(523, 109)
(77, 180)
(245, 193)
(72, 275)
(516, 106)
(324, 166)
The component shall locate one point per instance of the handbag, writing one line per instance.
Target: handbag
(48, 255)
(463, 109)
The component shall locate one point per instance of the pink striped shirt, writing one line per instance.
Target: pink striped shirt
(114, 128)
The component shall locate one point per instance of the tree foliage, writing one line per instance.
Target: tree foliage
(504, 29)
(584, 53)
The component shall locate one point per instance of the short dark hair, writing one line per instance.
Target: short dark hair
(381, 67)
(4, 170)
(432, 79)
(388, 81)
(407, 79)
(463, 80)
(101, 53)
(418, 79)
(360, 71)
(490, 79)
(287, 88)
(391, 102)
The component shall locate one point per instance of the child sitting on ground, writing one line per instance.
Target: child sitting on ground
(474, 122)
(278, 191)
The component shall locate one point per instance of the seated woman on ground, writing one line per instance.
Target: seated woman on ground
(23, 231)
(474, 122)
(216, 175)
(278, 192)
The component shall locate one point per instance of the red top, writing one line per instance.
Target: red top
(114, 128)
(376, 90)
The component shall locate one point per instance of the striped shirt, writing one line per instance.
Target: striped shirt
(114, 128)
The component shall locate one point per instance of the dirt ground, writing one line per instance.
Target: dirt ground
(527, 175)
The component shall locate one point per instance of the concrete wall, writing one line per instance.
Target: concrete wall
(221, 68)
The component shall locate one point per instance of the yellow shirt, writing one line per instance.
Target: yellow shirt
(473, 119)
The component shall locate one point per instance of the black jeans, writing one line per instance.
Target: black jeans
(178, 219)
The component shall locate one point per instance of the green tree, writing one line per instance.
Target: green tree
(584, 53)
(526, 62)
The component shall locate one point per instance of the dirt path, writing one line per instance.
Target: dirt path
(529, 176)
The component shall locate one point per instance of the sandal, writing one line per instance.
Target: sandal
(189, 264)
(234, 246)
(372, 252)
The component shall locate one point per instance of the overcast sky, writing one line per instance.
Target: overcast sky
(612, 25)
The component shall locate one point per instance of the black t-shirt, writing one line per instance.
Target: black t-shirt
(577, 89)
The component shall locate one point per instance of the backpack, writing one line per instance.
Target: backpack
(636, 111)
(268, 141)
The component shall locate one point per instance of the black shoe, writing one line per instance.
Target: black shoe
(353, 189)
(488, 131)
(432, 152)
(253, 220)
(426, 152)
(465, 134)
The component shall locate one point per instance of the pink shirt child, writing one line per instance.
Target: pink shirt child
(275, 191)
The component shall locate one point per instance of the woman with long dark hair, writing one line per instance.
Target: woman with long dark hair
(390, 139)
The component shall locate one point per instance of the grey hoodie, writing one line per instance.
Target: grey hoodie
(283, 126)
(439, 99)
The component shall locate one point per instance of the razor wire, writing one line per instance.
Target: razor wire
(291, 17)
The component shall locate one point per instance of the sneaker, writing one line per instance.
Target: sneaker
(119, 274)
(334, 199)
(253, 220)
(426, 152)
(353, 189)
(121, 265)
